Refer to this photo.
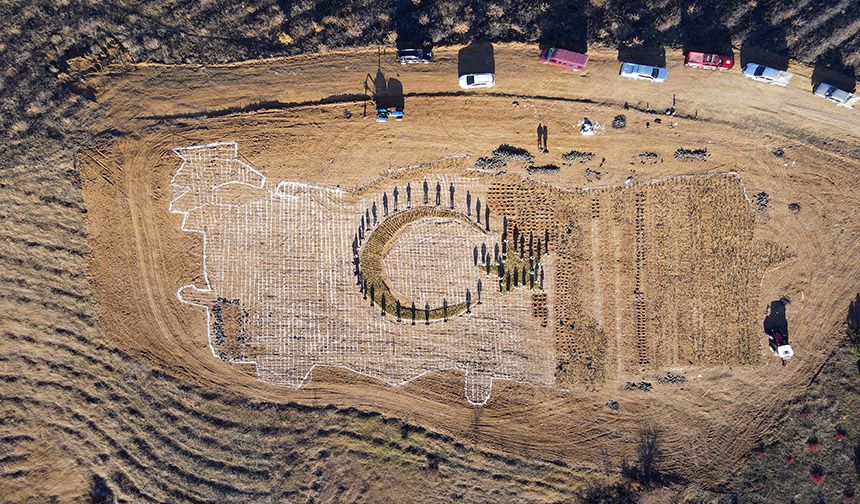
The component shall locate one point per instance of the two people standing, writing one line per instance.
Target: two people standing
(542, 136)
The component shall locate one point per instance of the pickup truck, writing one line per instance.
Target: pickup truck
(709, 61)
(769, 75)
(834, 94)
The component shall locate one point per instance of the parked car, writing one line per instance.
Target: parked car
(564, 58)
(384, 114)
(474, 81)
(410, 56)
(709, 61)
(834, 94)
(769, 75)
(644, 72)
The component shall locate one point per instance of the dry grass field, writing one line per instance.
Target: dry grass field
(109, 388)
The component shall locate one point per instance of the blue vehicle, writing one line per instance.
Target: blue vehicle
(383, 114)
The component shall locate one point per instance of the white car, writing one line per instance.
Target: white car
(644, 72)
(474, 81)
(834, 94)
(769, 75)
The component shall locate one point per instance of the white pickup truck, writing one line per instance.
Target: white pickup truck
(836, 95)
(769, 75)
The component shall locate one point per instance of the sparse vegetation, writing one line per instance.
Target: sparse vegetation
(119, 427)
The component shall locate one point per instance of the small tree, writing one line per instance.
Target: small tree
(531, 245)
(516, 237)
(648, 456)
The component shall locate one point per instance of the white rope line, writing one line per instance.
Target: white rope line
(282, 257)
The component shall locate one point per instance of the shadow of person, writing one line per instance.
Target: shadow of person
(775, 321)
(476, 58)
(545, 135)
(853, 323)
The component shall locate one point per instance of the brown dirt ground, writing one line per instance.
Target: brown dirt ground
(288, 117)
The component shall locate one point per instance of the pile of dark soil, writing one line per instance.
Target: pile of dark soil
(575, 155)
(643, 386)
(549, 168)
(691, 154)
(672, 378)
(592, 174)
(762, 199)
(503, 155)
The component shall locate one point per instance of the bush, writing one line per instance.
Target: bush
(618, 493)
(648, 455)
